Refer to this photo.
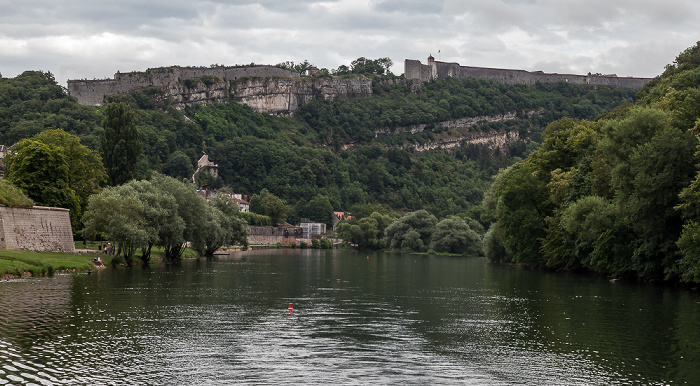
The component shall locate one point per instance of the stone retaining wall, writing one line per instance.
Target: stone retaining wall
(38, 228)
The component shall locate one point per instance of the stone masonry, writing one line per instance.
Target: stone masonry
(39, 228)
(434, 70)
(266, 89)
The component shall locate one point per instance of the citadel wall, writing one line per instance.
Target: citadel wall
(265, 89)
(434, 70)
(93, 92)
(39, 228)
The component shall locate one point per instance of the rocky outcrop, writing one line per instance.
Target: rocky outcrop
(461, 123)
(279, 95)
(463, 133)
(268, 94)
(266, 89)
(492, 140)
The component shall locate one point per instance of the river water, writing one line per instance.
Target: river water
(356, 319)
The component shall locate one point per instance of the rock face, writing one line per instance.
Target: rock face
(464, 133)
(271, 94)
(265, 89)
(275, 95)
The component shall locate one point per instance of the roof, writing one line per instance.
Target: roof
(238, 200)
(342, 215)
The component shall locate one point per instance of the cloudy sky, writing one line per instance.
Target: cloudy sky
(76, 39)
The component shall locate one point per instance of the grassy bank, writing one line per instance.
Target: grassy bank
(22, 263)
(18, 263)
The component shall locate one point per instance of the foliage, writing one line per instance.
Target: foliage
(13, 197)
(221, 225)
(411, 232)
(120, 146)
(163, 212)
(41, 171)
(366, 232)
(256, 219)
(178, 166)
(119, 213)
(302, 68)
(454, 235)
(269, 205)
(619, 195)
(318, 209)
(33, 102)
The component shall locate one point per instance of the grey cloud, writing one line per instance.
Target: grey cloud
(409, 6)
(631, 37)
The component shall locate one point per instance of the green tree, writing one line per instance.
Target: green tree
(86, 171)
(222, 225)
(120, 146)
(178, 166)
(41, 171)
(190, 207)
(454, 235)
(119, 213)
(318, 209)
(411, 232)
(160, 218)
(270, 205)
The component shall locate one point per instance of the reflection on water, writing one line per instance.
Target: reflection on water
(362, 319)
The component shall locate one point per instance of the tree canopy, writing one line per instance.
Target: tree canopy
(618, 195)
(120, 146)
(163, 212)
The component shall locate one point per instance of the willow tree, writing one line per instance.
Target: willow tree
(120, 146)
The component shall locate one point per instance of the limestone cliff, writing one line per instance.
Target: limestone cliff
(266, 89)
(267, 94)
(463, 133)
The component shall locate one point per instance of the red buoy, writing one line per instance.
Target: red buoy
(291, 307)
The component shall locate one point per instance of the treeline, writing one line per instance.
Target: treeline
(618, 195)
(417, 231)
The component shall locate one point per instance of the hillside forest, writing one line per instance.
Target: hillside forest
(573, 153)
(619, 194)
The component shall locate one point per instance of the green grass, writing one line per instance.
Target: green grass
(12, 196)
(42, 263)
(189, 253)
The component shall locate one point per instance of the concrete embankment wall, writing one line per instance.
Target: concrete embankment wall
(38, 228)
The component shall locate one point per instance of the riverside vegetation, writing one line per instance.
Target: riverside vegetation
(618, 195)
(356, 155)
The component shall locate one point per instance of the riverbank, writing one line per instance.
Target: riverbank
(14, 264)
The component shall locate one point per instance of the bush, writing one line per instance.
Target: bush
(326, 244)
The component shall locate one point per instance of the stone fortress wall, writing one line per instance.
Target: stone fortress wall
(93, 92)
(267, 89)
(434, 70)
(39, 228)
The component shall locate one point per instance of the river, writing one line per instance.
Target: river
(357, 318)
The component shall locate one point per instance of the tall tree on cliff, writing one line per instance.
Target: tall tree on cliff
(120, 146)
